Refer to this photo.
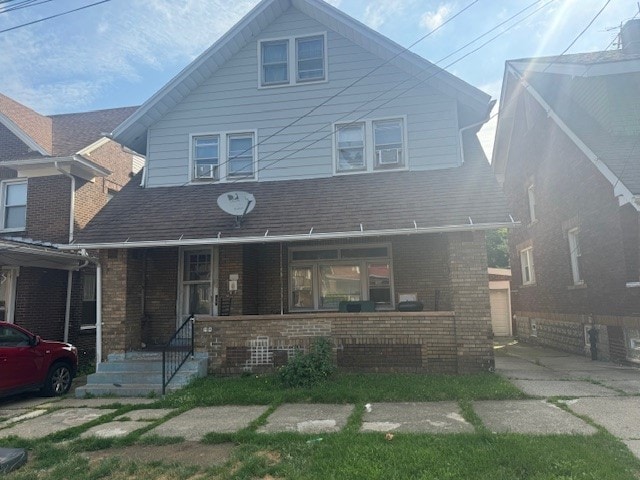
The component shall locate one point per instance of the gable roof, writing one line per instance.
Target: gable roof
(133, 131)
(599, 111)
(396, 203)
(57, 135)
(29, 126)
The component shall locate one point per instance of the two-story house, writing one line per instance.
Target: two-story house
(56, 172)
(567, 152)
(305, 177)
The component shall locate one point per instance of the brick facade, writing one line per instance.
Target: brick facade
(376, 342)
(569, 192)
(141, 293)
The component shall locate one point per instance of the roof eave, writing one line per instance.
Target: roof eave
(183, 242)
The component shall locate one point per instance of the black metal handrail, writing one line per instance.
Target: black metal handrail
(177, 351)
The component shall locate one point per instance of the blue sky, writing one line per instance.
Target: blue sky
(121, 52)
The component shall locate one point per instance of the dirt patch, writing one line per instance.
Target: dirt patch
(187, 453)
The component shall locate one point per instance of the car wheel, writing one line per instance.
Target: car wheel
(58, 380)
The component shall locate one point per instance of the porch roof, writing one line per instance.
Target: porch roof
(462, 198)
(27, 253)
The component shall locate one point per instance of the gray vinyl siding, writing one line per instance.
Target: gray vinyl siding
(231, 101)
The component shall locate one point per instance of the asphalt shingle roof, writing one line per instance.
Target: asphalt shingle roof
(619, 147)
(390, 200)
(66, 134)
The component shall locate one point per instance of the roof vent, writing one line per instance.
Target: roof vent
(630, 36)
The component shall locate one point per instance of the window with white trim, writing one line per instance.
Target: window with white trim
(320, 278)
(310, 58)
(206, 156)
(526, 262)
(573, 236)
(275, 62)
(196, 282)
(370, 145)
(292, 60)
(223, 156)
(14, 205)
(531, 197)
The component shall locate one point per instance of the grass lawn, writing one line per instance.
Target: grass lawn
(348, 454)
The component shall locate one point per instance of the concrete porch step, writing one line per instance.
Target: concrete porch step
(139, 374)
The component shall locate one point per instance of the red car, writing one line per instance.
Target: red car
(27, 362)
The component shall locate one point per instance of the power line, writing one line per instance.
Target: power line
(364, 116)
(383, 93)
(53, 16)
(23, 4)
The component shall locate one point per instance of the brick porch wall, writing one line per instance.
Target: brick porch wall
(365, 342)
(470, 286)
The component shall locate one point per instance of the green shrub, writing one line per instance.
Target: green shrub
(305, 369)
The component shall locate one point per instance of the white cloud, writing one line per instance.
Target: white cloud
(433, 19)
(379, 11)
(54, 69)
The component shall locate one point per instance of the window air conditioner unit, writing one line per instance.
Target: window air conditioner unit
(389, 156)
(206, 170)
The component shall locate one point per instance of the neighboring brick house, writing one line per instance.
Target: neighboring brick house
(568, 155)
(364, 184)
(56, 173)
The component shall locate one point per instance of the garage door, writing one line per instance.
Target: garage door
(500, 315)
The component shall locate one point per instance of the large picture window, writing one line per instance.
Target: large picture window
(14, 205)
(321, 278)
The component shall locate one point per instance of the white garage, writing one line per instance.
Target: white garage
(500, 296)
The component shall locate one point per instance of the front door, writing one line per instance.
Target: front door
(198, 286)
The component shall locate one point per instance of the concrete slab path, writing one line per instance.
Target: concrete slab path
(434, 417)
(194, 424)
(534, 417)
(307, 418)
(53, 422)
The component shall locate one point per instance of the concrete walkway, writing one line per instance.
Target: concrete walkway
(604, 392)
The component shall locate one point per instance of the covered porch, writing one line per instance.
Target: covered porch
(256, 303)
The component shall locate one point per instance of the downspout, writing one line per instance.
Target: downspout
(67, 310)
(492, 103)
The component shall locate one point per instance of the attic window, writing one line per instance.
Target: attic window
(304, 56)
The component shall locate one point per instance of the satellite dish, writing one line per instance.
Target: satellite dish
(237, 203)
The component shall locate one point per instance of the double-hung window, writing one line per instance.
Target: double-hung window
(370, 145)
(14, 205)
(206, 156)
(275, 62)
(224, 156)
(240, 155)
(321, 278)
(526, 263)
(350, 144)
(575, 254)
(388, 140)
(310, 58)
(292, 60)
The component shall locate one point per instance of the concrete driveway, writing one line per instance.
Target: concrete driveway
(605, 392)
